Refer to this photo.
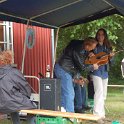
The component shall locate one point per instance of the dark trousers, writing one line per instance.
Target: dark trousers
(90, 88)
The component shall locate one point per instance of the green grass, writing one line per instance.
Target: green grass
(114, 107)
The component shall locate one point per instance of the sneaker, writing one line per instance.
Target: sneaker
(63, 109)
(79, 111)
(87, 108)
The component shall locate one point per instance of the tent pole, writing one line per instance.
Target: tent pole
(24, 50)
(55, 46)
(108, 3)
(33, 21)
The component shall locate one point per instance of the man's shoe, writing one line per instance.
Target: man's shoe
(79, 111)
(87, 108)
(63, 109)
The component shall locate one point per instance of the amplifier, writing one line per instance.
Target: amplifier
(50, 92)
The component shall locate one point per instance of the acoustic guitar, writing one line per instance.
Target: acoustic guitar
(101, 58)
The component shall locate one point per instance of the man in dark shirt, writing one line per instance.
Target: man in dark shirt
(69, 64)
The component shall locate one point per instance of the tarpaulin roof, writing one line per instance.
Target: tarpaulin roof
(58, 13)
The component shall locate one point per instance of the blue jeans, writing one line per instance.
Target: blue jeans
(67, 88)
(80, 96)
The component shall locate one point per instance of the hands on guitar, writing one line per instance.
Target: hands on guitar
(81, 80)
(101, 58)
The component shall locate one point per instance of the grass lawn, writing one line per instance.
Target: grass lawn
(114, 107)
(115, 104)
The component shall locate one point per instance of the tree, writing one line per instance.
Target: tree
(113, 24)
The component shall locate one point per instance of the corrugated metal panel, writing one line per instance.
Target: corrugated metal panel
(36, 58)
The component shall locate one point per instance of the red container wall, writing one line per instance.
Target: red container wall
(36, 58)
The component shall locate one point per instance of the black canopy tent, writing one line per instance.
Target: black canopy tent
(58, 13)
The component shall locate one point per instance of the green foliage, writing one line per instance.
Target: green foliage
(115, 28)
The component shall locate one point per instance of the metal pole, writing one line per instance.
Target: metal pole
(55, 46)
(24, 51)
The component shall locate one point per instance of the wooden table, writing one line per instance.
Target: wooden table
(62, 114)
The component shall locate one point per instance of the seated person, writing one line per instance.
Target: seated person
(14, 89)
(80, 96)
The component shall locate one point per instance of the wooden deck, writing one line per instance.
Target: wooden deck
(62, 114)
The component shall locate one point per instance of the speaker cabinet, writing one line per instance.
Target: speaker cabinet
(50, 92)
